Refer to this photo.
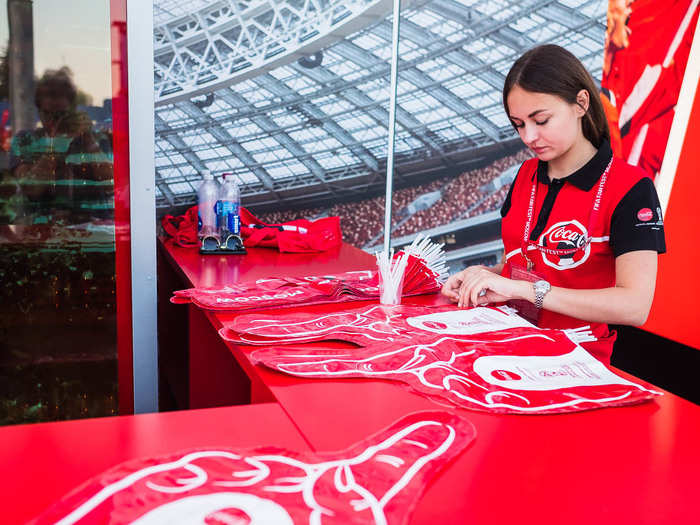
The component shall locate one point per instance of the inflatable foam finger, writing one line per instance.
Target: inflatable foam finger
(376, 481)
(518, 371)
(370, 324)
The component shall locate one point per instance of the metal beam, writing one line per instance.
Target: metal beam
(227, 41)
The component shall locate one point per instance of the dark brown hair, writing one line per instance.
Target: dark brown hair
(55, 83)
(554, 70)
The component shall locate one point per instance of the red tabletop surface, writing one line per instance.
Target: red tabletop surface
(212, 270)
(635, 464)
(40, 463)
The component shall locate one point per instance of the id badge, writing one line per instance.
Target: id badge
(525, 308)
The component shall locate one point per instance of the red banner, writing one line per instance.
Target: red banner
(647, 45)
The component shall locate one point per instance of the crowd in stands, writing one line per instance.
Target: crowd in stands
(490, 203)
(278, 217)
(360, 221)
(462, 197)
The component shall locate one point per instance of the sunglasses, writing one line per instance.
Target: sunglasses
(230, 244)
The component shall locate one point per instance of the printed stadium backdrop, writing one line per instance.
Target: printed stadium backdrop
(307, 137)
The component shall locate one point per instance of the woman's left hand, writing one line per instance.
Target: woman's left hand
(481, 286)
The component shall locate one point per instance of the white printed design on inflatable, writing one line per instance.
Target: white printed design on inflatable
(469, 322)
(521, 370)
(368, 325)
(524, 372)
(377, 481)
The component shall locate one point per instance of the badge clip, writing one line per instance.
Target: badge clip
(529, 265)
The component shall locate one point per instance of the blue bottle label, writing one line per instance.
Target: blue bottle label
(234, 222)
(219, 216)
(227, 216)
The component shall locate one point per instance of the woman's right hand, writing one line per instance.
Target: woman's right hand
(451, 287)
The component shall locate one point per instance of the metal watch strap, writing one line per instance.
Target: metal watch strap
(541, 289)
(539, 299)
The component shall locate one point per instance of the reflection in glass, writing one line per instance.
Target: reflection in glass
(57, 271)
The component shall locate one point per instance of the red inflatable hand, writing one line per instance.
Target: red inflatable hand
(377, 481)
(520, 370)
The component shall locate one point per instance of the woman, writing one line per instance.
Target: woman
(63, 168)
(582, 231)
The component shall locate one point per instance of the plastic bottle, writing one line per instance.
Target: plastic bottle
(227, 218)
(207, 195)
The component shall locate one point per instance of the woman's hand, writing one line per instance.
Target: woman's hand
(628, 302)
(482, 286)
(451, 287)
(456, 286)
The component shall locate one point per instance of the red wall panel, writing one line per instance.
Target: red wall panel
(122, 224)
(674, 313)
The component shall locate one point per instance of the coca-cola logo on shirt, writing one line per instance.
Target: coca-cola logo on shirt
(565, 235)
(645, 214)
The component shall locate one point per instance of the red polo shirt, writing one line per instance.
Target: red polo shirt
(628, 219)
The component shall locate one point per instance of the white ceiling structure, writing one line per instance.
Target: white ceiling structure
(292, 95)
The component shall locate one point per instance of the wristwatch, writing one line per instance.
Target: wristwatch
(541, 288)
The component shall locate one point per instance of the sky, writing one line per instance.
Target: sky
(73, 33)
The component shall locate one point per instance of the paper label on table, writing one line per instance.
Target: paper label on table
(377, 481)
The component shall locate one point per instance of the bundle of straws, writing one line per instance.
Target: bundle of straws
(431, 255)
(420, 265)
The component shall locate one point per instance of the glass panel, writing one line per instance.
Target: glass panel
(58, 344)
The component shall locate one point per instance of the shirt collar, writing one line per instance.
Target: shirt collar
(585, 177)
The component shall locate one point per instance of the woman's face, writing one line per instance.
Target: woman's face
(547, 124)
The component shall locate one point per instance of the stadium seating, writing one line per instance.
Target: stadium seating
(462, 197)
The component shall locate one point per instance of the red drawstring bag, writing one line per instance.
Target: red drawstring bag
(182, 228)
(299, 236)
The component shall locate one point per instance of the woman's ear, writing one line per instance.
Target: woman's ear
(582, 101)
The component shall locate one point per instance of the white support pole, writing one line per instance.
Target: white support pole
(392, 124)
(139, 27)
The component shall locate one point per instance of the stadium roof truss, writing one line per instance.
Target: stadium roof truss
(292, 96)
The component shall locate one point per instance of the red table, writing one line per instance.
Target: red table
(40, 463)
(635, 464)
(210, 377)
(625, 465)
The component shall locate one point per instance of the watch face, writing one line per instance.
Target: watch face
(541, 286)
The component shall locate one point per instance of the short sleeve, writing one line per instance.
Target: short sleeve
(505, 208)
(506, 203)
(637, 222)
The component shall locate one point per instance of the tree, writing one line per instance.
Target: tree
(4, 74)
